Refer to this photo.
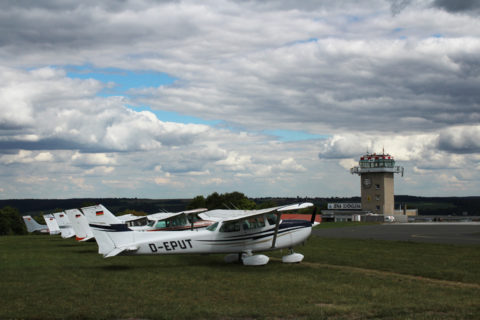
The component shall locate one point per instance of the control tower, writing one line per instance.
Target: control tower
(376, 181)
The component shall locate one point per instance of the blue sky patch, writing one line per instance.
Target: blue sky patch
(171, 116)
(123, 79)
(290, 135)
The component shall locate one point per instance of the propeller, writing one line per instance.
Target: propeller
(313, 215)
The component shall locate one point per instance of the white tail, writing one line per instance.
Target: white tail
(83, 232)
(64, 224)
(52, 224)
(33, 225)
(112, 235)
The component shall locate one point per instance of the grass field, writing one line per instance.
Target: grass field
(46, 277)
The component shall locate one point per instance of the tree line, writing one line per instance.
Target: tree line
(11, 222)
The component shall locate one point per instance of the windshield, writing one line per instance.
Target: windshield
(213, 227)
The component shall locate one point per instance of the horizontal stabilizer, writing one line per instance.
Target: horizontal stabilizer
(114, 252)
(117, 251)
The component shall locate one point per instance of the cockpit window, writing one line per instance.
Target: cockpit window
(213, 227)
(253, 223)
(230, 226)
(272, 218)
(161, 224)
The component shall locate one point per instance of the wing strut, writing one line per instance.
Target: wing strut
(279, 214)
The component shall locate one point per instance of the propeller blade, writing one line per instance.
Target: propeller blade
(313, 215)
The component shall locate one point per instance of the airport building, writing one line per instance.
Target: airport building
(376, 173)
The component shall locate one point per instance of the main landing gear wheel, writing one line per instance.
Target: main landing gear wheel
(292, 257)
(254, 260)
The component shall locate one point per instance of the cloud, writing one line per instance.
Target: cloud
(398, 5)
(63, 113)
(25, 156)
(466, 6)
(401, 75)
(460, 139)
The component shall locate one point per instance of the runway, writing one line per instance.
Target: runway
(451, 233)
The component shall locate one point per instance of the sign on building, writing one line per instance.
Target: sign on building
(344, 206)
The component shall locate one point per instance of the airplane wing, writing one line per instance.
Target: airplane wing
(230, 215)
(166, 215)
(129, 217)
(163, 215)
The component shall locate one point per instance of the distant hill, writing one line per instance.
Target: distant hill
(425, 205)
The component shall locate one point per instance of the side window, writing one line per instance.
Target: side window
(253, 223)
(260, 222)
(161, 224)
(230, 226)
(272, 219)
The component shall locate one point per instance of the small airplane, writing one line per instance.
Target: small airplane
(80, 226)
(33, 225)
(64, 224)
(52, 224)
(162, 221)
(237, 233)
(175, 221)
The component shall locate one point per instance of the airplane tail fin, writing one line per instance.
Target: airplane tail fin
(64, 224)
(83, 232)
(33, 225)
(112, 236)
(52, 224)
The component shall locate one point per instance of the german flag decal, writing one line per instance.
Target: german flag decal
(78, 215)
(61, 216)
(99, 213)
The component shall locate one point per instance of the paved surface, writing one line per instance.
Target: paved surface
(452, 233)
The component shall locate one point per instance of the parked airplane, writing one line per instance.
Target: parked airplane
(80, 226)
(64, 224)
(238, 233)
(175, 221)
(33, 225)
(52, 224)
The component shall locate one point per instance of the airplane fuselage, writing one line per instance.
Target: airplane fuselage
(217, 240)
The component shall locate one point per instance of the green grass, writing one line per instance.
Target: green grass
(46, 277)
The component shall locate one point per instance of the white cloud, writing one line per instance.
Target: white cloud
(403, 76)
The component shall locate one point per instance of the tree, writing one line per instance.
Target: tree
(11, 222)
(233, 200)
(267, 204)
(196, 203)
(133, 212)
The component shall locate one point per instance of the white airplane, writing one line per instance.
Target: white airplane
(52, 224)
(162, 221)
(80, 226)
(33, 225)
(238, 233)
(64, 224)
(175, 221)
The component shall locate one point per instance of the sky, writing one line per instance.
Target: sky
(174, 99)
